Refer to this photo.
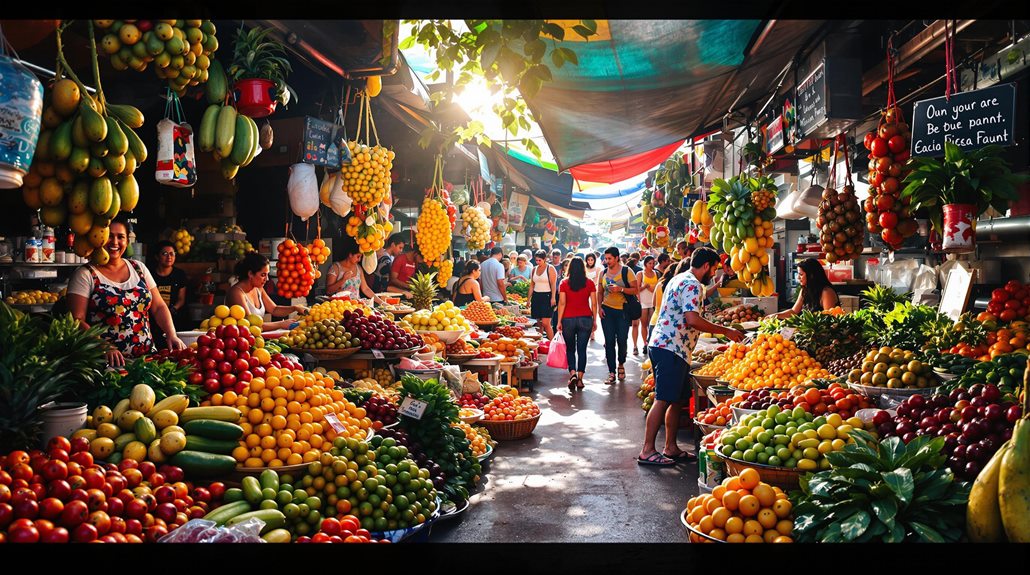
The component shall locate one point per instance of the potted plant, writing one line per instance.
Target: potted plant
(961, 186)
(259, 69)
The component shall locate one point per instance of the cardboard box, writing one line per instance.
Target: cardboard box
(766, 304)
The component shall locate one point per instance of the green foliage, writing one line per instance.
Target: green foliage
(886, 492)
(257, 56)
(509, 54)
(164, 377)
(980, 177)
(41, 359)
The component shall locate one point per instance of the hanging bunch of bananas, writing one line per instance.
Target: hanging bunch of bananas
(475, 227)
(743, 231)
(182, 50)
(702, 218)
(82, 171)
(433, 227)
(231, 136)
(673, 177)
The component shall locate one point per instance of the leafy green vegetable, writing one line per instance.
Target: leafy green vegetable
(887, 491)
(520, 287)
(164, 377)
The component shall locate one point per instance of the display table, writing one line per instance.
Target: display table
(493, 365)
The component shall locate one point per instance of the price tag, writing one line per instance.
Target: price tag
(787, 333)
(413, 408)
(335, 422)
(378, 354)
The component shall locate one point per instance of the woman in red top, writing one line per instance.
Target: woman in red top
(577, 308)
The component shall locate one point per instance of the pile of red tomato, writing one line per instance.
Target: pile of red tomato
(1008, 303)
(887, 213)
(346, 529)
(834, 399)
(61, 495)
(294, 270)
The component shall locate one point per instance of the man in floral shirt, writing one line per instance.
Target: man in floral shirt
(679, 325)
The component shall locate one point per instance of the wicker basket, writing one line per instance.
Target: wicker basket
(707, 428)
(704, 381)
(895, 394)
(785, 478)
(695, 535)
(330, 354)
(510, 430)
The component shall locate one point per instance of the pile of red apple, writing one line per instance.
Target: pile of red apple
(887, 213)
(224, 360)
(1008, 303)
(380, 409)
(974, 424)
(61, 496)
(473, 400)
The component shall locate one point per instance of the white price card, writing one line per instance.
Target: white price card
(787, 333)
(377, 354)
(335, 422)
(413, 408)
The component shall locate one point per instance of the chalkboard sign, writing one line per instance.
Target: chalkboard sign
(811, 101)
(320, 146)
(971, 120)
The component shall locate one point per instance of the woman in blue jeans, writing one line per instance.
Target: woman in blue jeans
(616, 283)
(577, 306)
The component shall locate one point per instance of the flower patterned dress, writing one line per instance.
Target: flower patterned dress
(683, 294)
(123, 313)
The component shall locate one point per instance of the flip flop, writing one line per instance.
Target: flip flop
(682, 457)
(657, 459)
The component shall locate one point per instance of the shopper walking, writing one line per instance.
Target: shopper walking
(672, 342)
(119, 296)
(491, 280)
(594, 270)
(577, 308)
(467, 289)
(616, 284)
(545, 293)
(647, 279)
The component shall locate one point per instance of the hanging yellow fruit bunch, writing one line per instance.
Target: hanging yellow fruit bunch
(444, 270)
(433, 227)
(367, 178)
(476, 227)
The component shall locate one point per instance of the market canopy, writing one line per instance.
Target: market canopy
(646, 84)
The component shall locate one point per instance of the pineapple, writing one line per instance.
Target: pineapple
(882, 298)
(423, 290)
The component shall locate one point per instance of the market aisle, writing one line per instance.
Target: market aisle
(576, 478)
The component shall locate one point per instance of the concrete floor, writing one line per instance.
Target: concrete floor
(576, 478)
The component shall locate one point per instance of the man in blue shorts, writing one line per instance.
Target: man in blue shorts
(679, 325)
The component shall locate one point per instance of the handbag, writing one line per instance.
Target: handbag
(176, 162)
(632, 307)
(556, 353)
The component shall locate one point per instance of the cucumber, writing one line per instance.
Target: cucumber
(241, 141)
(251, 489)
(273, 518)
(227, 512)
(213, 429)
(232, 495)
(199, 464)
(203, 444)
(218, 413)
(277, 536)
(269, 479)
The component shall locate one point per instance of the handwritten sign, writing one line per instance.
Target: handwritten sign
(413, 408)
(956, 292)
(335, 422)
(320, 146)
(970, 120)
(811, 101)
(377, 354)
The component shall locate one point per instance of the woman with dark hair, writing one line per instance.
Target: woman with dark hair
(171, 283)
(616, 283)
(594, 271)
(346, 276)
(647, 279)
(544, 292)
(577, 307)
(119, 296)
(467, 290)
(249, 292)
(817, 294)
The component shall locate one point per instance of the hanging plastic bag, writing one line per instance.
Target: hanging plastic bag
(339, 201)
(556, 353)
(176, 163)
(303, 189)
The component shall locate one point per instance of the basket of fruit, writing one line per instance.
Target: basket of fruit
(470, 415)
(704, 381)
(489, 453)
(892, 393)
(448, 337)
(786, 478)
(695, 535)
(895, 373)
(510, 430)
(330, 354)
(524, 413)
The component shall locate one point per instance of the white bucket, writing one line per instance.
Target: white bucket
(63, 419)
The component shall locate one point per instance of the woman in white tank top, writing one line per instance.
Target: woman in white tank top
(543, 300)
(252, 271)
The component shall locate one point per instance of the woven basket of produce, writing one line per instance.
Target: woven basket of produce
(785, 478)
(695, 535)
(510, 430)
(330, 354)
(704, 381)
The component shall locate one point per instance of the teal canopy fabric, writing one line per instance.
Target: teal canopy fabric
(648, 83)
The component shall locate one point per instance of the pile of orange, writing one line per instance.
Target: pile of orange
(505, 346)
(294, 271)
(479, 312)
(284, 417)
(434, 342)
(319, 252)
(506, 407)
(720, 414)
(722, 363)
(742, 510)
(774, 362)
(510, 331)
(477, 441)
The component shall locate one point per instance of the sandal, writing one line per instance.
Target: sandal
(636, 351)
(657, 459)
(683, 456)
(610, 380)
(572, 381)
(622, 373)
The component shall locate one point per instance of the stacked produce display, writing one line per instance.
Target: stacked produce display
(743, 213)
(887, 214)
(182, 50)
